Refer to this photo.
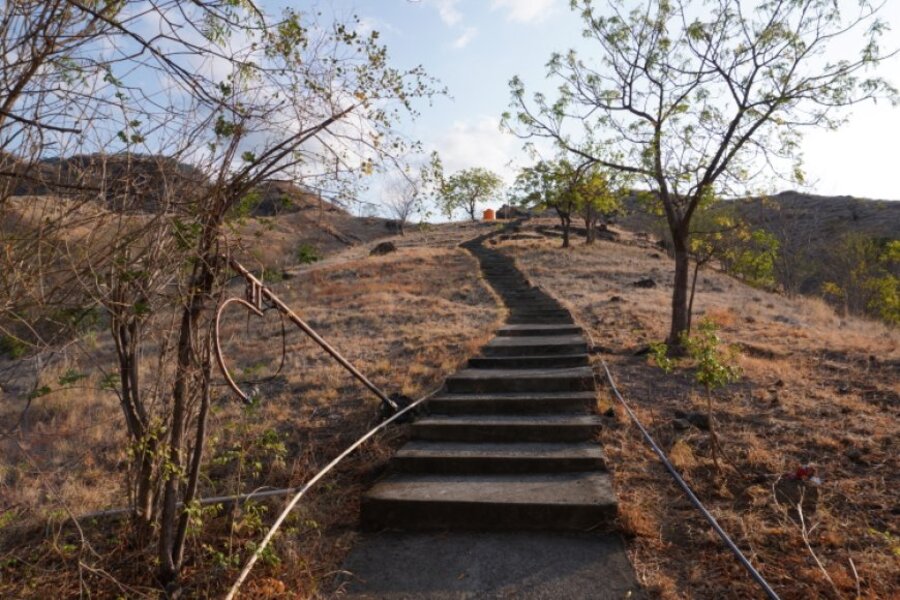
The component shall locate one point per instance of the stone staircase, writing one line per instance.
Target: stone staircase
(507, 446)
(508, 443)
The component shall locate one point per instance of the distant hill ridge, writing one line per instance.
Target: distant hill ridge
(829, 215)
(139, 182)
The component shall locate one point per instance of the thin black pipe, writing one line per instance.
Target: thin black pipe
(690, 493)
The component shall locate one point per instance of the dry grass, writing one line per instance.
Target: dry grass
(406, 320)
(816, 390)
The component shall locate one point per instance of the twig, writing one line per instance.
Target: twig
(804, 533)
(855, 576)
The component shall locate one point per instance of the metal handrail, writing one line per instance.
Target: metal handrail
(255, 297)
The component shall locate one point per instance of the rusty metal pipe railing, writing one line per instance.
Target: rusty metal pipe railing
(255, 297)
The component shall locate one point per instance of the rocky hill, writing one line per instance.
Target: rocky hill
(815, 215)
(279, 221)
(823, 217)
(820, 239)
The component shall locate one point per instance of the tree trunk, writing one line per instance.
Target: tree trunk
(188, 375)
(127, 334)
(566, 224)
(590, 225)
(173, 475)
(196, 463)
(680, 289)
(690, 310)
(145, 496)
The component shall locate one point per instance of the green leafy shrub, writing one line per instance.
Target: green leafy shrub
(13, 347)
(714, 367)
(307, 254)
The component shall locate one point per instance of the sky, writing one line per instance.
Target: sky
(474, 47)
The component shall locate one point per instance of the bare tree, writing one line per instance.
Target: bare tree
(148, 144)
(699, 100)
(404, 199)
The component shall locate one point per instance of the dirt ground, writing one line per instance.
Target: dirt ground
(816, 390)
(406, 320)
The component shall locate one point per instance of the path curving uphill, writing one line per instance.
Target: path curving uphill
(502, 491)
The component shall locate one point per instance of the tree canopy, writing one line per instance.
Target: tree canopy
(586, 189)
(693, 98)
(465, 189)
(226, 96)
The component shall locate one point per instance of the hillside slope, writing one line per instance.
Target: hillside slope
(816, 390)
(406, 320)
(811, 216)
(832, 247)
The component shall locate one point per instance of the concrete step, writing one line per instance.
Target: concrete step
(514, 320)
(488, 459)
(529, 362)
(507, 428)
(562, 501)
(521, 380)
(457, 565)
(532, 329)
(523, 403)
(534, 345)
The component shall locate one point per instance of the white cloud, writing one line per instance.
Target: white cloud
(478, 143)
(525, 11)
(852, 160)
(448, 11)
(367, 25)
(463, 40)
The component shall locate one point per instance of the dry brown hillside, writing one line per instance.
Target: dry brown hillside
(814, 217)
(816, 390)
(407, 320)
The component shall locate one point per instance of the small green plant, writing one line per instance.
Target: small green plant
(221, 559)
(110, 382)
(255, 370)
(891, 540)
(81, 319)
(659, 354)
(71, 376)
(273, 276)
(38, 392)
(307, 254)
(714, 367)
(13, 347)
(198, 514)
(268, 556)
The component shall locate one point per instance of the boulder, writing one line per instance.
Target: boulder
(383, 248)
(697, 419)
